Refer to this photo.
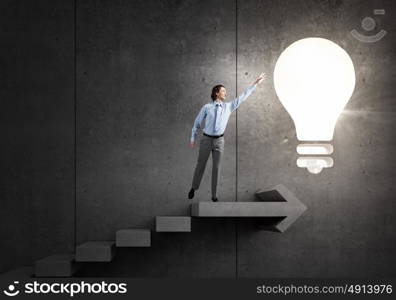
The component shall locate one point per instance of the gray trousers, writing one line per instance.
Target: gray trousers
(207, 145)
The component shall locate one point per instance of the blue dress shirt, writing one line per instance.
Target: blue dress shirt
(216, 114)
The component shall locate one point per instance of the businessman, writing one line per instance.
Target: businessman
(216, 115)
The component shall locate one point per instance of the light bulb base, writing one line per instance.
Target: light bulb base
(315, 149)
(315, 164)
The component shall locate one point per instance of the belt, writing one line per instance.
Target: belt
(213, 136)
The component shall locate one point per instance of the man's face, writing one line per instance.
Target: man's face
(221, 94)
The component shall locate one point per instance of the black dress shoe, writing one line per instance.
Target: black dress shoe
(191, 194)
(215, 199)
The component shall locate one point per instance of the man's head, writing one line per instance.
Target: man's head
(219, 92)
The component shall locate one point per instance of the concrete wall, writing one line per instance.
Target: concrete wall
(144, 69)
(347, 229)
(37, 130)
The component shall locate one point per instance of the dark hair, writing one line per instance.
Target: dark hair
(215, 90)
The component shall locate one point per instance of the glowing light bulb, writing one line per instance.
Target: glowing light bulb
(314, 79)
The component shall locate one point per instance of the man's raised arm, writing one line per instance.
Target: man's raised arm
(235, 103)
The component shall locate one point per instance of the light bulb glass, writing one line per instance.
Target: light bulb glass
(314, 78)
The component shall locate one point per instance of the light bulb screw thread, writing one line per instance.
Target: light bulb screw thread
(316, 161)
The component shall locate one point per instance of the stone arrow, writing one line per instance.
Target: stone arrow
(275, 202)
(283, 203)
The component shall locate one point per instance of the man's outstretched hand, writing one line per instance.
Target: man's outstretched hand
(260, 78)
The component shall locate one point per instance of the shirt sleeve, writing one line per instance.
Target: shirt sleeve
(235, 103)
(197, 123)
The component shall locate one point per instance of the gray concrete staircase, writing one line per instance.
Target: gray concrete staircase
(276, 202)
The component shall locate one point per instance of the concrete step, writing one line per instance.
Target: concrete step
(133, 238)
(278, 202)
(18, 273)
(172, 224)
(58, 265)
(99, 251)
(239, 209)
